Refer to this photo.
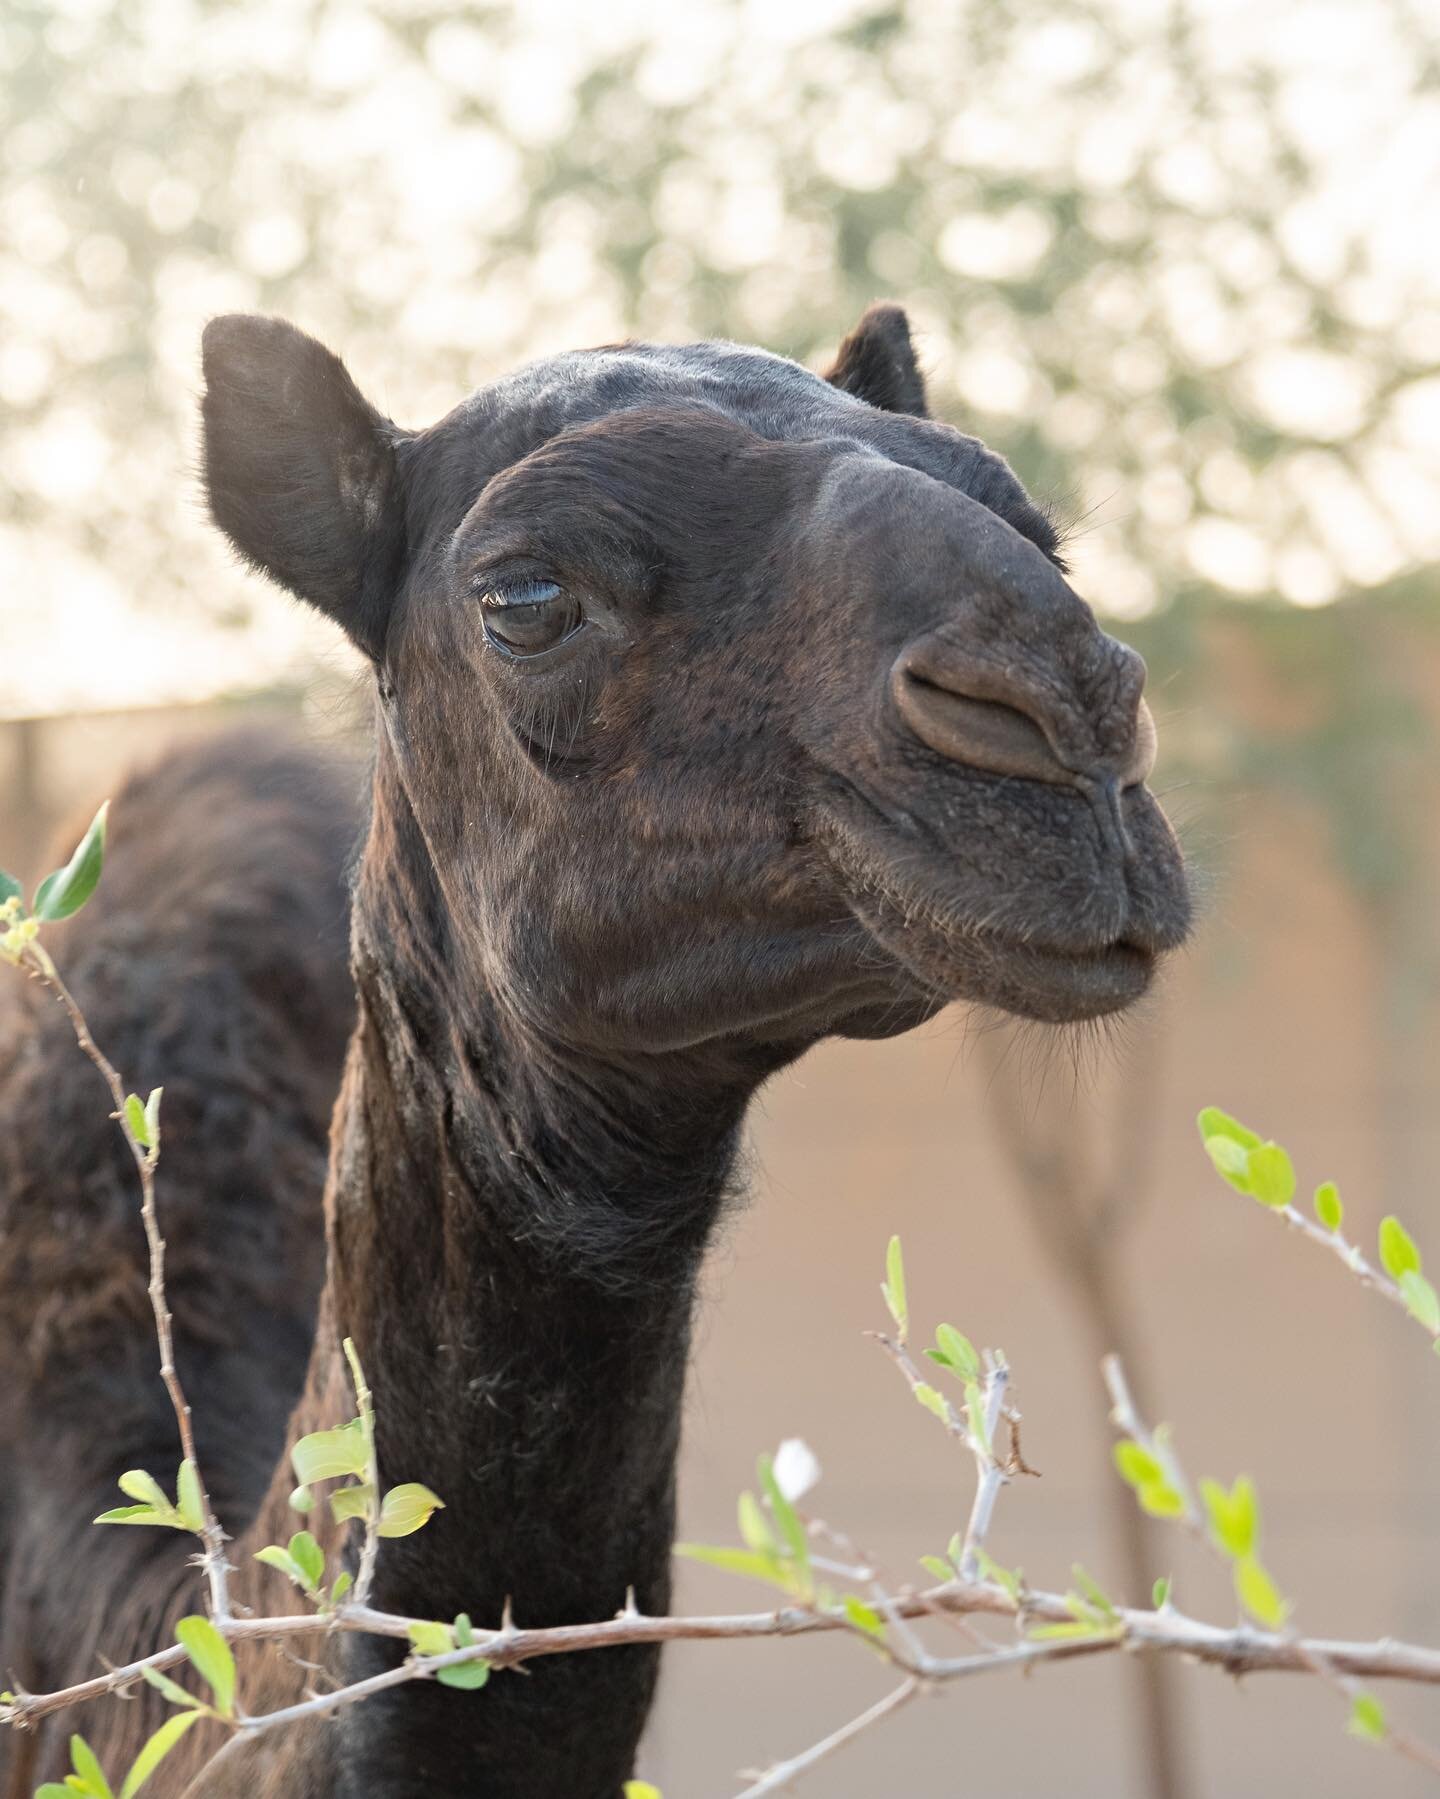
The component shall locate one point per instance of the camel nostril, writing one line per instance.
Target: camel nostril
(984, 733)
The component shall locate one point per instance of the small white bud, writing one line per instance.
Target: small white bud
(797, 1468)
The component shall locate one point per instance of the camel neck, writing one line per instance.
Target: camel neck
(514, 1247)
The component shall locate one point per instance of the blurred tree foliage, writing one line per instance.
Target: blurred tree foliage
(1119, 224)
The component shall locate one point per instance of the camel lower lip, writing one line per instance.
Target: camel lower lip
(1077, 983)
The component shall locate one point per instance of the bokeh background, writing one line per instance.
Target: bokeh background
(1179, 260)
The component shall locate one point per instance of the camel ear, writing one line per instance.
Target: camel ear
(877, 363)
(301, 471)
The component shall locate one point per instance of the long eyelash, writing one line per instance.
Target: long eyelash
(520, 593)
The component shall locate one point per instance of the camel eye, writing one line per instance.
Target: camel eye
(527, 619)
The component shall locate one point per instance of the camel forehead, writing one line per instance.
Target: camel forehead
(770, 394)
(775, 398)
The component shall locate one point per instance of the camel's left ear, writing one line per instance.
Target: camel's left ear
(877, 363)
(301, 471)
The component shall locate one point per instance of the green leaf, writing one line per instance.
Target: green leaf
(308, 1557)
(959, 1351)
(83, 1760)
(52, 1789)
(1214, 1124)
(135, 1118)
(352, 1502)
(932, 1400)
(1272, 1176)
(975, 1408)
(640, 1789)
(1043, 1633)
(1328, 1208)
(1136, 1464)
(736, 1561)
(135, 1483)
(863, 1617)
(467, 1676)
(431, 1639)
(10, 888)
(1231, 1160)
(1398, 1253)
(189, 1505)
(1258, 1594)
(1234, 1516)
(894, 1286)
(1093, 1591)
(140, 1514)
(63, 893)
(152, 1117)
(273, 1556)
(211, 1656)
(325, 1454)
(302, 1500)
(343, 1584)
(1160, 1593)
(405, 1509)
(1367, 1719)
(755, 1533)
(172, 1689)
(1084, 1613)
(933, 1565)
(1420, 1298)
(464, 1630)
(155, 1751)
(303, 1562)
(1161, 1500)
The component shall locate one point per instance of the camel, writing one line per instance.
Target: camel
(720, 707)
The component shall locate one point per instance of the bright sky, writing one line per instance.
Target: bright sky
(1344, 85)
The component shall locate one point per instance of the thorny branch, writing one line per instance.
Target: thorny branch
(1241, 1650)
(36, 961)
(979, 1436)
(1315, 1658)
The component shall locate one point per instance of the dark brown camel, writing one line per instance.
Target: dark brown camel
(719, 709)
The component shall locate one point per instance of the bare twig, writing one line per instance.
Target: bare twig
(36, 961)
(777, 1778)
(1364, 1271)
(993, 1475)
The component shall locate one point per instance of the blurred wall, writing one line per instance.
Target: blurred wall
(1309, 1007)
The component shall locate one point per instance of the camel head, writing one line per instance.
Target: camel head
(733, 705)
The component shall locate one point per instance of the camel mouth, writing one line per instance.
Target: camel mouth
(1057, 956)
(1017, 974)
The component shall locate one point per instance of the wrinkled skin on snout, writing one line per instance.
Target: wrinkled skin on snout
(733, 705)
